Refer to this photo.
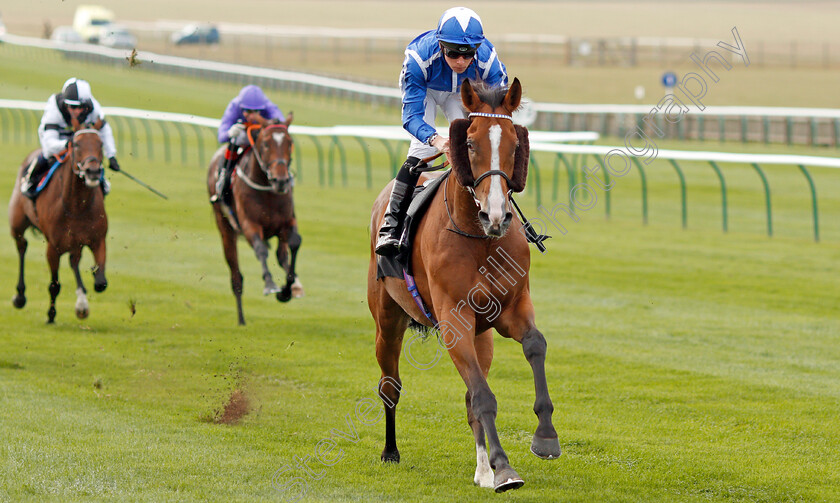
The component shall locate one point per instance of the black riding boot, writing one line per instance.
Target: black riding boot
(33, 175)
(223, 192)
(389, 234)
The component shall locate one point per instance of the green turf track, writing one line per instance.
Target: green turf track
(685, 365)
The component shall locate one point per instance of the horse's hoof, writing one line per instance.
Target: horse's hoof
(100, 287)
(271, 289)
(297, 292)
(545, 448)
(82, 313)
(390, 456)
(507, 479)
(51, 315)
(19, 301)
(284, 295)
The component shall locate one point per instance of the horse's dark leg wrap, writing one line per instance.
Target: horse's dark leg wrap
(34, 175)
(545, 443)
(389, 234)
(55, 288)
(294, 245)
(389, 391)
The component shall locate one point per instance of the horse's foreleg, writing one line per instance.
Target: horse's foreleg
(99, 281)
(53, 257)
(462, 350)
(82, 307)
(545, 443)
(293, 286)
(518, 324)
(232, 259)
(20, 299)
(483, 472)
(261, 251)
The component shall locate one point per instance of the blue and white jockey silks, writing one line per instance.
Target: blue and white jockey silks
(426, 81)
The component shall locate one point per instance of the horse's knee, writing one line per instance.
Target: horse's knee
(533, 344)
(389, 391)
(55, 289)
(483, 402)
(294, 241)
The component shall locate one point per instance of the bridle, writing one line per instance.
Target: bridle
(78, 167)
(263, 166)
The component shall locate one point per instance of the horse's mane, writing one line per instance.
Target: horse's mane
(492, 95)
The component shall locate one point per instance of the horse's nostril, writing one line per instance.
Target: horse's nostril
(508, 218)
(484, 217)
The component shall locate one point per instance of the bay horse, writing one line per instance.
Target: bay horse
(262, 207)
(489, 156)
(70, 213)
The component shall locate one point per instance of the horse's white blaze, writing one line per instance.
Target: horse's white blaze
(278, 137)
(496, 197)
(483, 472)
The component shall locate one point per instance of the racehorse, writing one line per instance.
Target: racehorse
(262, 208)
(70, 212)
(489, 157)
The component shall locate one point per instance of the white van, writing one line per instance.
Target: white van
(89, 20)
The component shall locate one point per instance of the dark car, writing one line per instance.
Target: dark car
(196, 34)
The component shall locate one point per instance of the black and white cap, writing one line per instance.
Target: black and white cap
(76, 92)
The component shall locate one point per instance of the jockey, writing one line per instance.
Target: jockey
(251, 106)
(435, 65)
(72, 109)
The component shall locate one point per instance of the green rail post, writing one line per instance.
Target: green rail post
(682, 192)
(789, 130)
(336, 144)
(536, 173)
(167, 148)
(27, 128)
(607, 197)
(183, 136)
(298, 155)
(150, 151)
(320, 152)
(813, 123)
(15, 124)
(837, 132)
(701, 128)
(743, 129)
(570, 173)
(366, 150)
(133, 128)
(766, 198)
(392, 156)
(4, 124)
(119, 135)
(813, 202)
(199, 144)
(765, 122)
(721, 128)
(644, 188)
(722, 194)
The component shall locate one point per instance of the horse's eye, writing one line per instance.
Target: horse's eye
(470, 145)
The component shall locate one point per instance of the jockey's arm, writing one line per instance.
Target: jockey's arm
(51, 141)
(413, 87)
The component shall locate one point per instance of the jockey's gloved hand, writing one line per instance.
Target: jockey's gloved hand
(113, 164)
(237, 134)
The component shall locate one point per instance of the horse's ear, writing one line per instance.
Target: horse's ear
(520, 160)
(253, 133)
(513, 96)
(469, 97)
(289, 118)
(458, 152)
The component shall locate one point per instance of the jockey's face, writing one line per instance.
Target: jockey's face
(459, 64)
(250, 115)
(75, 111)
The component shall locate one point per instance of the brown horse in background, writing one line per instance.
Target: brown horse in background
(70, 212)
(453, 274)
(262, 208)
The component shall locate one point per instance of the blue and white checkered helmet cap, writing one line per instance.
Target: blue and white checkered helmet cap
(460, 26)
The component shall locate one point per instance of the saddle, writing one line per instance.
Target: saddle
(423, 194)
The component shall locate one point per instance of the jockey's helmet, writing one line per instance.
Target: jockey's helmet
(252, 98)
(76, 92)
(460, 29)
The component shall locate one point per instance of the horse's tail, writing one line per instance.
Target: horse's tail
(422, 330)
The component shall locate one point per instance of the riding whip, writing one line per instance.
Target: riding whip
(157, 192)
